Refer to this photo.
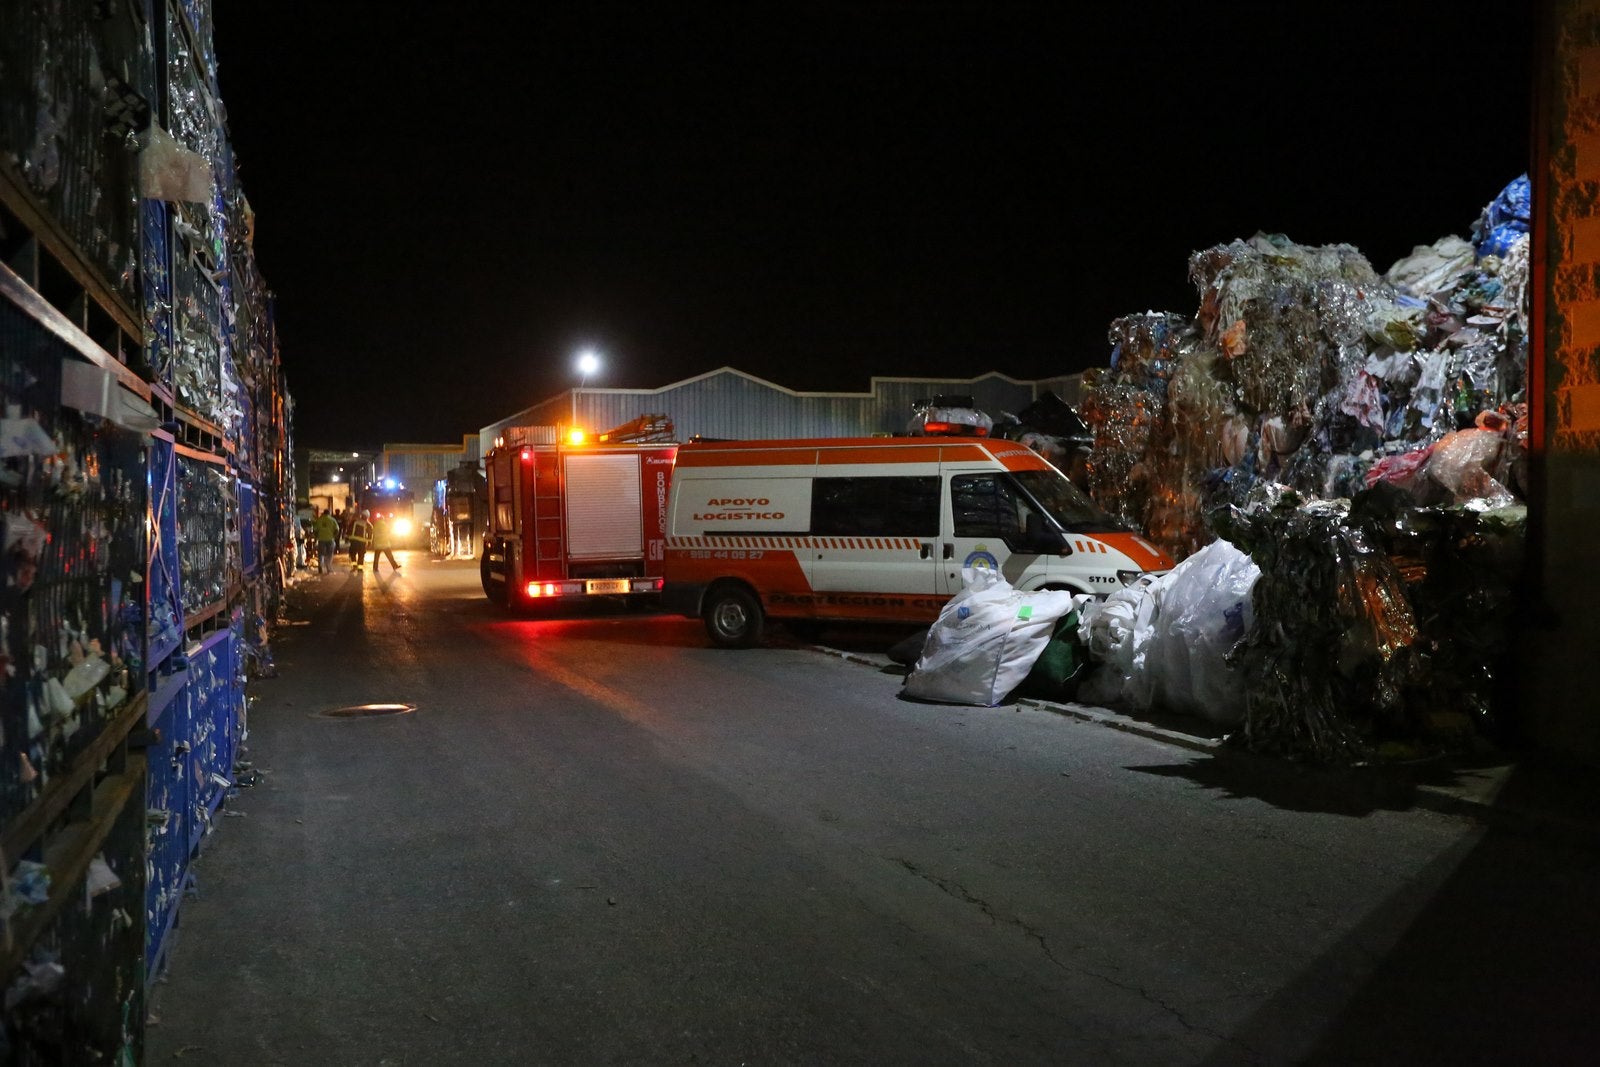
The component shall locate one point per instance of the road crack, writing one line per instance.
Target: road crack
(960, 892)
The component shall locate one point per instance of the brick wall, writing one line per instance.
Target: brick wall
(1561, 682)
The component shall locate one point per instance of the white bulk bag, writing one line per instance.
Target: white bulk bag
(985, 641)
(1205, 608)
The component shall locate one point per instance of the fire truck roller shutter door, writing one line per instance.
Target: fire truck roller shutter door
(603, 506)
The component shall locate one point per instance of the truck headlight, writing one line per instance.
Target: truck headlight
(402, 527)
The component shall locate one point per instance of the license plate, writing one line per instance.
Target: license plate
(608, 585)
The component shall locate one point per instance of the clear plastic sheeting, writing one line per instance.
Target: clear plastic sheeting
(1116, 631)
(1431, 268)
(1462, 464)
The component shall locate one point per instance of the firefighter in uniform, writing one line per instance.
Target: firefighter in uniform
(360, 534)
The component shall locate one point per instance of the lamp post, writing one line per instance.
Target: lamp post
(588, 363)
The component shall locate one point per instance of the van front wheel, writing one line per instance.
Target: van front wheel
(733, 616)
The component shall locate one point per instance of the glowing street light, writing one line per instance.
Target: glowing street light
(588, 363)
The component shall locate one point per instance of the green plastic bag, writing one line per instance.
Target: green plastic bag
(1059, 668)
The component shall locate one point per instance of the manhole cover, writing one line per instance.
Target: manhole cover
(366, 711)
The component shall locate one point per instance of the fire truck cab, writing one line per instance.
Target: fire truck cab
(568, 522)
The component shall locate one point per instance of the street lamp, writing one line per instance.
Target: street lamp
(588, 363)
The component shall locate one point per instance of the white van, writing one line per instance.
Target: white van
(876, 529)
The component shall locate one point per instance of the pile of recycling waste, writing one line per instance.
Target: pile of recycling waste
(1337, 457)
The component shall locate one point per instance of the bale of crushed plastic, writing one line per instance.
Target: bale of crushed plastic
(1461, 565)
(1280, 311)
(1121, 418)
(1144, 346)
(1381, 627)
(1333, 637)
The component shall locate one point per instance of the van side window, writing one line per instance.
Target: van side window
(875, 507)
(984, 505)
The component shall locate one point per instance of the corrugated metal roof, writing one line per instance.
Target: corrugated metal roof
(733, 404)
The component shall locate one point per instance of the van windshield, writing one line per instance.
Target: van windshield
(1066, 503)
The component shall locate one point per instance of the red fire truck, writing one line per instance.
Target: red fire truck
(569, 521)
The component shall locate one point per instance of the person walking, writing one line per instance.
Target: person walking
(383, 542)
(327, 530)
(360, 534)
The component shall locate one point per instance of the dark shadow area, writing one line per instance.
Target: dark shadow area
(1523, 792)
(1528, 792)
(333, 605)
(1292, 786)
(1492, 955)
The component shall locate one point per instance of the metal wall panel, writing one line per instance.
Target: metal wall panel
(730, 404)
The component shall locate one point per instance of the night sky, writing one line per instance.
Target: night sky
(452, 200)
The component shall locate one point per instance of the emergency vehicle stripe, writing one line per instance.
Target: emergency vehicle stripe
(837, 544)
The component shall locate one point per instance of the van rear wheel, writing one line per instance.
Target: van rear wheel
(733, 616)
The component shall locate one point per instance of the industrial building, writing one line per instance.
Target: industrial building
(729, 403)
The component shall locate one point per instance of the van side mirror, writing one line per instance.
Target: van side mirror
(1041, 538)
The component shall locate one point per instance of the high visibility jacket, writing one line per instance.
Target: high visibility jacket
(361, 530)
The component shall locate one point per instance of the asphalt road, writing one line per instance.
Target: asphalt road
(599, 840)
